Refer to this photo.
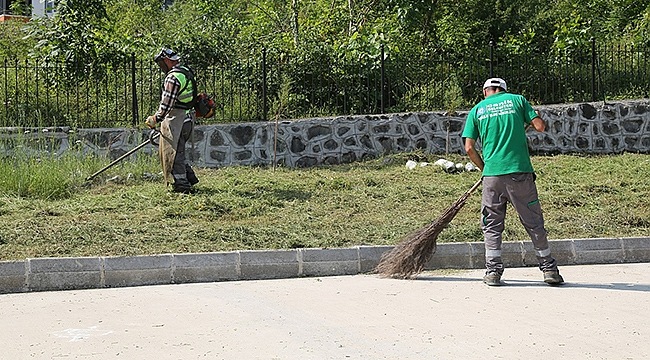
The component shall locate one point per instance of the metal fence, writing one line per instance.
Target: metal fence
(276, 86)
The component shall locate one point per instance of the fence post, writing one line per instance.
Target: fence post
(593, 69)
(264, 101)
(6, 94)
(134, 92)
(492, 45)
(47, 90)
(383, 80)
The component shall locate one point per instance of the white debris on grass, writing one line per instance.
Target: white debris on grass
(114, 179)
(470, 167)
(411, 164)
(446, 165)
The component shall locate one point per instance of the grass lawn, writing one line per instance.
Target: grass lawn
(45, 211)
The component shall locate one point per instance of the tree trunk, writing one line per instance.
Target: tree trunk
(351, 23)
(294, 21)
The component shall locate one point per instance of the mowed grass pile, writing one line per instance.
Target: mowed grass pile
(47, 211)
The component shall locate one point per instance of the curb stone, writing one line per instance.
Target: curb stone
(49, 274)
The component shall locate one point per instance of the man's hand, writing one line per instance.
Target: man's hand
(151, 122)
(473, 154)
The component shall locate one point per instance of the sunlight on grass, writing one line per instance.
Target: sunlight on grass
(53, 177)
(47, 211)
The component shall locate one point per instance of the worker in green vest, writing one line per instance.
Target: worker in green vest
(175, 115)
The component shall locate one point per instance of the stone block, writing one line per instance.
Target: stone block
(137, 270)
(12, 277)
(477, 255)
(63, 273)
(209, 267)
(598, 251)
(450, 256)
(512, 254)
(369, 257)
(561, 250)
(636, 249)
(261, 264)
(328, 262)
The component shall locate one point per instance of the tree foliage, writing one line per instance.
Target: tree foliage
(333, 47)
(77, 32)
(211, 31)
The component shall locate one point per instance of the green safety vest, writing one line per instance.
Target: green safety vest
(187, 94)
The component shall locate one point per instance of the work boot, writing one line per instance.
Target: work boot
(492, 279)
(191, 176)
(192, 179)
(182, 188)
(553, 277)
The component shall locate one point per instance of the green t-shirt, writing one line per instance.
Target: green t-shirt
(500, 122)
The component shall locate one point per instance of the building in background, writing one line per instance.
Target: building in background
(30, 8)
(43, 7)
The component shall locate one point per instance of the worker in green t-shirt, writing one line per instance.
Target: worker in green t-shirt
(500, 122)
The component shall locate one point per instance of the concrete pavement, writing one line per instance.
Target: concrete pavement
(601, 313)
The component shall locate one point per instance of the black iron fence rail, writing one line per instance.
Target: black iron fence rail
(279, 87)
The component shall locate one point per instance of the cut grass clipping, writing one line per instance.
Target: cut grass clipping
(409, 257)
(46, 212)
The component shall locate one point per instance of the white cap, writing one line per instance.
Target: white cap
(498, 82)
(166, 53)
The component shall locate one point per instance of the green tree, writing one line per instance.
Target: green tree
(13, 43)
(135, 25)
(77, 35)
(20, 8)
(639, 31)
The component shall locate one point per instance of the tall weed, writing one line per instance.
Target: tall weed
(38, 172)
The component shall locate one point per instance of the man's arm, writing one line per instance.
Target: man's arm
(538, 123)
(168, 98)
(473, 154)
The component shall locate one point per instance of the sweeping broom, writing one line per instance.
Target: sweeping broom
(408, 257)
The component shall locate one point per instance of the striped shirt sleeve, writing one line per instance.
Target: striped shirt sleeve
(171, 88)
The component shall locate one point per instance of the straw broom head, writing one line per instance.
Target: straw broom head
(408, 258)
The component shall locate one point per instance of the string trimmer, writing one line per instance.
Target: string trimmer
(153, 135)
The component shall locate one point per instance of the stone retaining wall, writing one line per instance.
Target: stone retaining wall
(591, 128)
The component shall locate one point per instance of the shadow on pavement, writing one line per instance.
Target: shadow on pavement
(578, 285)
(540, 283)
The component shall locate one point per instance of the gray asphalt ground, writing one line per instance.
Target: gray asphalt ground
(602, 312)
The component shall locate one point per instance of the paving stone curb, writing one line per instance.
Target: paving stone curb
(48, 274)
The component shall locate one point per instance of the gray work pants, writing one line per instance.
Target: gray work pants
(182, 171)
(520, 190)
